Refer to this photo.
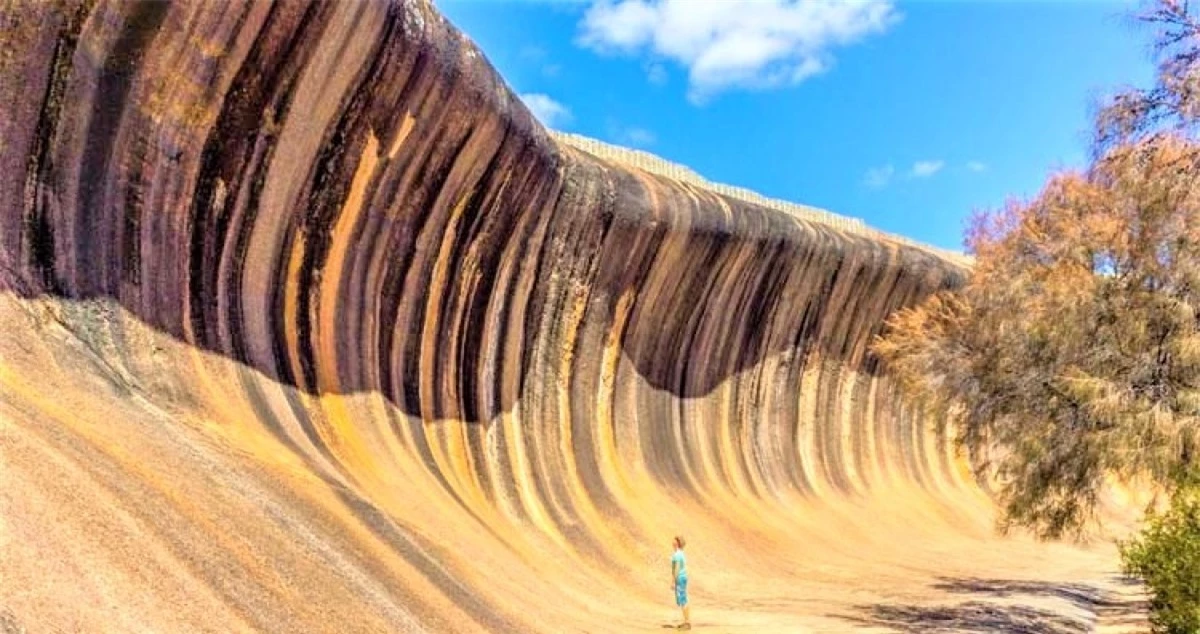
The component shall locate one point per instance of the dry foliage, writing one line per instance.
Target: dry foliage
(1073, 351)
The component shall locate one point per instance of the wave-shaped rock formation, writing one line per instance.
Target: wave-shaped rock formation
(310, 327)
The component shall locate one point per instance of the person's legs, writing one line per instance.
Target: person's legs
(681, 599)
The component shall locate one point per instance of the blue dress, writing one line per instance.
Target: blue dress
(680, 578)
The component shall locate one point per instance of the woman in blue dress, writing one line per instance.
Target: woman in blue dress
(679, 579)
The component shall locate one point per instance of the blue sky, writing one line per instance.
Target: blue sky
(908, 115)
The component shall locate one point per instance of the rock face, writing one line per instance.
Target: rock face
(311, 327)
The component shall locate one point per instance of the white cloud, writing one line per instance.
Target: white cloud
(628, 135)
(879, 176)
(638, 137)
(538, 55)
(977, 166)
(728, 44)
(925, 169)
(656, 73)
(548, 111)
(532, 52)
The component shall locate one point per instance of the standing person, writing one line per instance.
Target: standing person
(679, 579)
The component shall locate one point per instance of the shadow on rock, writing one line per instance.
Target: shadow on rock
(983, 614)
(972, 616)
(1088, 597)
(9, 623)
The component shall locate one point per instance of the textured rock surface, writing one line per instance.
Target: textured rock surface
(310, 327)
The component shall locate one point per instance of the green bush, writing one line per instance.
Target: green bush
(1166, 556)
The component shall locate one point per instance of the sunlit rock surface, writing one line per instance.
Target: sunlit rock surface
(308, 326)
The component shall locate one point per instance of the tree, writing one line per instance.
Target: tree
(1173, 103)
(1072, 352)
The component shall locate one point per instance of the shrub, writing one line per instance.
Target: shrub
(1166, 556)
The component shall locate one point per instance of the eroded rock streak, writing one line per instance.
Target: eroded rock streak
(313, 328)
